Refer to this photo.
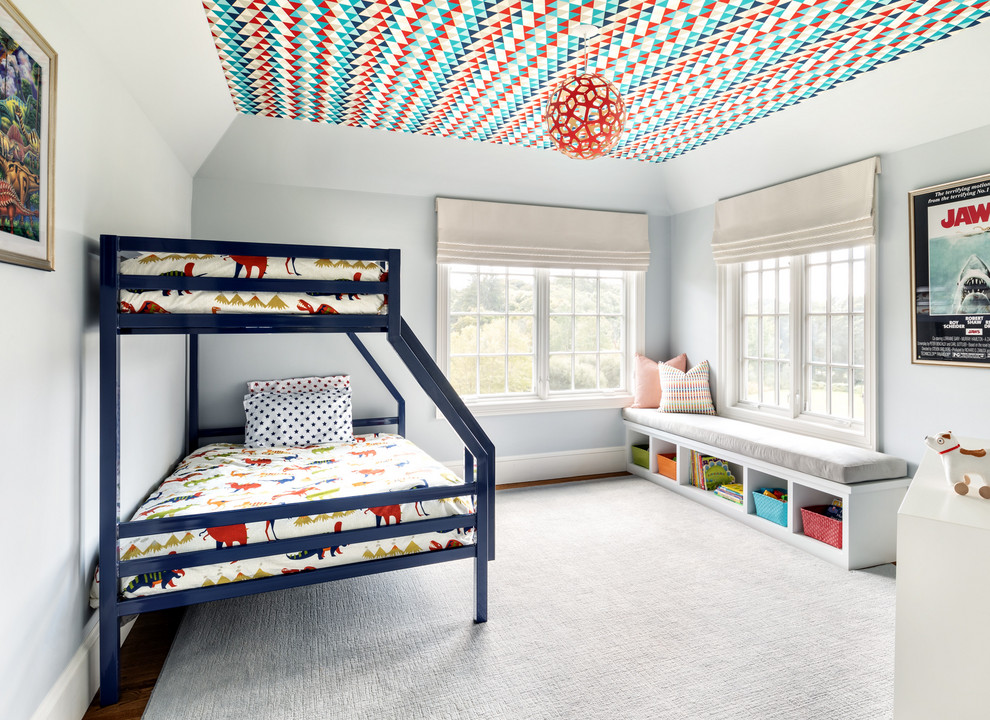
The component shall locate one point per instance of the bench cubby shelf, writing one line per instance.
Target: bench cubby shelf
(869, 527)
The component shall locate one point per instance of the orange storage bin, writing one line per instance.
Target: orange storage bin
(667, 465)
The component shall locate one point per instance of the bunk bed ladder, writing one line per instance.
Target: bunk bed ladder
(476, 442)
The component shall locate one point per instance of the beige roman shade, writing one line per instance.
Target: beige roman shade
(826, 211)
(491, 233)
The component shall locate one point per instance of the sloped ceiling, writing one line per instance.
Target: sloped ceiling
(169, 67)
(690, 71)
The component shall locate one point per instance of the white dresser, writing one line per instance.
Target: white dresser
(943, 600)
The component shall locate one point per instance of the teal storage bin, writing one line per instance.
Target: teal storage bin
(770, 508)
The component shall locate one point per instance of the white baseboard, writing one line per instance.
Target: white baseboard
(547, 466)
(72, 693)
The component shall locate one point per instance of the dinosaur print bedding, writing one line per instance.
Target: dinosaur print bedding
(224, 476)
(136, 300)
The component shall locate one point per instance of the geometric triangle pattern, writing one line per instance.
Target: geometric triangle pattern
(690, 71)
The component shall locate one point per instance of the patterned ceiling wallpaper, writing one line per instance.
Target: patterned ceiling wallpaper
(478, 70)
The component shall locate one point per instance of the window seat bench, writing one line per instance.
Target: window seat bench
(812, 471)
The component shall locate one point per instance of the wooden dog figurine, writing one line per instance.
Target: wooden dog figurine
(962, 464)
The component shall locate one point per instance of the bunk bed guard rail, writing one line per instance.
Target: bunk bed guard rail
(479, 453)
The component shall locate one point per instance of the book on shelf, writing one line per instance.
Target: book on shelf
(731, 492)
(708, 472)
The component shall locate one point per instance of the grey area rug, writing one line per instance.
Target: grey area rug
(609, 599)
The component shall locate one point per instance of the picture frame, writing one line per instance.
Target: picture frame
(950, 273)
(28, 76)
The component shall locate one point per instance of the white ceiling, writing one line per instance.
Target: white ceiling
(174, 74)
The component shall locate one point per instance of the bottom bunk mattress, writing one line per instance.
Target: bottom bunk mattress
(224, 476)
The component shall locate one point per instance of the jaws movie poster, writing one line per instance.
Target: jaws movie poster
(950, 268)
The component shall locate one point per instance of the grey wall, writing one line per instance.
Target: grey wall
(278, 180)
(918, 400)
(692, 285)
(914, 400)
(228, 209)
(113, 173)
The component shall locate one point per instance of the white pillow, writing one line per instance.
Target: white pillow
(279, 419)
(300, 385)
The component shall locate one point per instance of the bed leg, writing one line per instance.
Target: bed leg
(491, 516)
(481, 587)
(109, 656)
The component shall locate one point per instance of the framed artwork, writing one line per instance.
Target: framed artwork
(27, 142)
(950, 273)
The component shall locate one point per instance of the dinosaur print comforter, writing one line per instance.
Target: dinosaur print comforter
(227, 477)
(136, 300)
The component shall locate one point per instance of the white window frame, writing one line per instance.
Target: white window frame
(795, 419)
(541, 401)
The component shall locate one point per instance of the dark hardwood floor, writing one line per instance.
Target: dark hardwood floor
(147, 645)
(141, 660)
(555, 481)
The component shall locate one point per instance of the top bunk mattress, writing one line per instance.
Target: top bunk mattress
(137, 300)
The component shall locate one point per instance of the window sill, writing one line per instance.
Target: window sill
(558, 404)
(803, 426)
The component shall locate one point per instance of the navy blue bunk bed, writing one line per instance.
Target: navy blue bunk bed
(479, 454)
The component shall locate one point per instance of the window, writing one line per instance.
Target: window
(797, 343)
(527, 339)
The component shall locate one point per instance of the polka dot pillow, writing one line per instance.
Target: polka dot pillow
(279, 419)
(300, 385)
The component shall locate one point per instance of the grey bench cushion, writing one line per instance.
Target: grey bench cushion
(813, 456)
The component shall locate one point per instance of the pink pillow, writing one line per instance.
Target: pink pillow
(646, 380)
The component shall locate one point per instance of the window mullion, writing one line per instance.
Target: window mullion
(477, 339)
(736, 280)
(776, 335)
(760, 350)
(542, 325)
(598, 333)
(850, 344)
(870, 341)
(573, 317)
(798, 335)
(829, 340)
(505, 335)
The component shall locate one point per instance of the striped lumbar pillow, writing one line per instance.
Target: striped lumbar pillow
(685, 392)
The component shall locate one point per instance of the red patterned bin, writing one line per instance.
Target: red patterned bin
(820, 526)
